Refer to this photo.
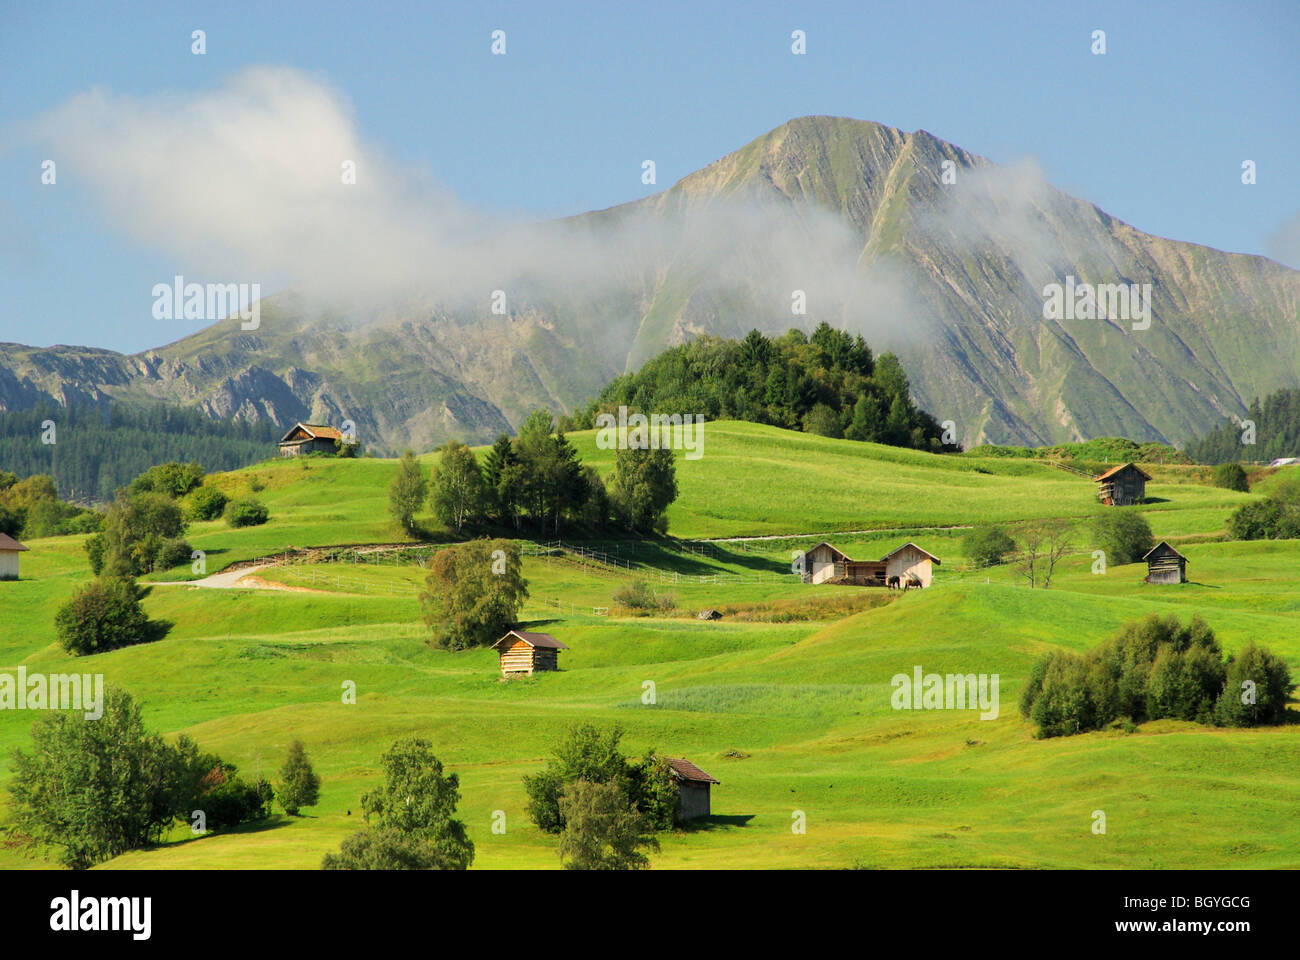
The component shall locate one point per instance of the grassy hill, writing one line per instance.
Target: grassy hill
(786, 700)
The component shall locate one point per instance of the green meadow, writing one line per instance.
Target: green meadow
(785, 700)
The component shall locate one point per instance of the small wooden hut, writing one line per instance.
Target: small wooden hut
(692, 788)
(1165, 564)
(1122, 486)
(523, 652)
(309, 438)
(9, 550)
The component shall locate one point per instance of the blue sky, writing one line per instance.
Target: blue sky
(1154, 131)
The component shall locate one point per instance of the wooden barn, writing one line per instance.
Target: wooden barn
(9, 550)
(823, 562)
(1165, 564)
(692, 789)
(910, 564)
(527, 653)
(1123, 486)
(309, 438)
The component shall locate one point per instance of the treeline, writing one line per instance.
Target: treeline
(1276, 435)
(98, 449)
(829, 383)
(1156, 668)
(538, 480)
(31, 508)
(1091, 454)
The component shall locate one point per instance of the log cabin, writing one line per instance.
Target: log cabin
(692, 788)
(9, 550)
(309, 438)
(1165, 564)
(527, 653)
(1122, 486)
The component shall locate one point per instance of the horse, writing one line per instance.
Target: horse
(893, 583)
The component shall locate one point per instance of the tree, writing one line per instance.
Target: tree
(458, 493)
(986, 546)
(823, 421)
(1231, 476)
(1043, 544)
(135, 528)
(1256, 689)
(500, 491)
(1124, 535)
(172, 479)
(413, 812)
(97, 788)
(868, 423)
(473, 593)
(407, 491)
(644, 484)
(603, 830)
(103, 615)
(205, 503)
(585, 753)
(298, 785)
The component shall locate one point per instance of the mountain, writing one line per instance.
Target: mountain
(855, 215)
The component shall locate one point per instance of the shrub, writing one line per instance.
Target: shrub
(1231, 476)
(173, 479)
(987, 546)
(228, 800)
(246, 513)
(173, 553)
(205, 503)
(104, 615)
(1125, 535)
(1255, 690)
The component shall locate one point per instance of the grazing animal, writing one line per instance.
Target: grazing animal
(911, 582)
(893, 583)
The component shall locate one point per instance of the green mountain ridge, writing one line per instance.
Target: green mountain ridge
(947, 275)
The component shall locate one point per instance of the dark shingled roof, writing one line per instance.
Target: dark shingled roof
(685, 770)
(533, 640)
(9, 543)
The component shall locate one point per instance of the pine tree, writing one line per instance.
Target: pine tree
(298, 785)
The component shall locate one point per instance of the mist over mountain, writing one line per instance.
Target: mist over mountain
(925, 249)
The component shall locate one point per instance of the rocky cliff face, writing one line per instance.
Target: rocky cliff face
(930, 251)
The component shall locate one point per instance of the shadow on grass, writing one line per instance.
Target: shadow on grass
(272, 822)
(715, 821)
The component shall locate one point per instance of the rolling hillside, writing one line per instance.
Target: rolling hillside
(785, 700)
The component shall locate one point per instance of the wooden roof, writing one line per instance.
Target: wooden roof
(1123, 466)
(1167, 549)
(533, 640)
(315, 431)
(842, 555)
(10, 545)
(914, 547)
(685, 770)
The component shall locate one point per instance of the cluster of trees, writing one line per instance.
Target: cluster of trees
(1037, 547)
(94, 789)
(410, 818)
(1275, 517)
(828, 383)
(473, 593)
(1276, 434)
(98, 449)
(536, 478)
(605, 807)
(1156, 668)
(1094, 455)
(31, 508)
